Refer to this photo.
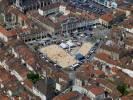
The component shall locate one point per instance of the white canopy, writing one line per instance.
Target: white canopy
(63, 45)
(69, 43)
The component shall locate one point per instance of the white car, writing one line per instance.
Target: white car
(74, 66)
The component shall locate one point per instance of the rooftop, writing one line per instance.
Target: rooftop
(68, 96)
(128, 23)
(97, 90)
(106, 58)
(107, 17)
(7, 33)
(85, 71)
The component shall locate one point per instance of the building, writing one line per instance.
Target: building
(26, 5)
(33, 31)
(58, 19)
(129, 43)
(62, 81)
(107, 3)
(6, 35)
(11, 88)
(70, 96)
(96, 93)
(112, 18)
(44, 88)
(128, 24)
(113, 51)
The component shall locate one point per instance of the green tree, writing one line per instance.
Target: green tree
(34, 77)
(123, 89)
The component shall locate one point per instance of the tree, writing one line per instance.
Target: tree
(123, 89)
(34, 77)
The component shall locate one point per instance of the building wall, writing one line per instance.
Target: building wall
(33, 36)
(79, 89)
(107, 3)
(99, 97)
(74, 25)
(4, 65)
(47, 12)
(78, 82)
(14, 53)
(38, 93)
(3, 37)
(129, 30)
(17, 75)
(129, 47)
(103, 22)
(95, 97)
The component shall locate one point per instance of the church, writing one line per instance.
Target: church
(26, 5)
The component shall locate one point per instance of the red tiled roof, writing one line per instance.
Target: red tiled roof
(68, 96)
(107, 17)
(27, 55)
(4, 76)
(28, 83)
(97, 90)
(15, 11)
(115, 70)
(7, 33)
(85, 71)
(128, 23)
(60, 74)
(99, 72)
(128, 97)
(4, 97)
(125, 78)
(106, 58)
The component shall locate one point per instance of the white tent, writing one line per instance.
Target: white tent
(63, 45)
(70, 44)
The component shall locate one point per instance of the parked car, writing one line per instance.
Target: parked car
(75, 66)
